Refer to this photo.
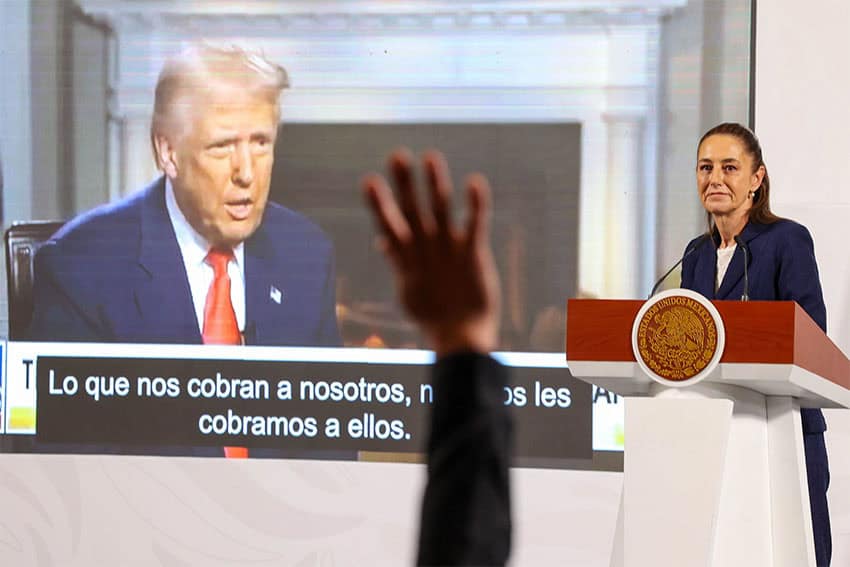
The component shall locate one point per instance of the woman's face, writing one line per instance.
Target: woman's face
(725, 176)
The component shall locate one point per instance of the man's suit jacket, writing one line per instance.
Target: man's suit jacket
(781, 267)
(116, 274)
(466, 512)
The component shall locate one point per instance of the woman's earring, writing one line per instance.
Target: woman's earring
(750, 195)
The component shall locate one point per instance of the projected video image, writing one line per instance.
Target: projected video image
(192, 177)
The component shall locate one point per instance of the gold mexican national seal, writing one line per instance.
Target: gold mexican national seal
(677, 338)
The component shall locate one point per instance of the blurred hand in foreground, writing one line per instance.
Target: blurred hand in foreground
(445, 274)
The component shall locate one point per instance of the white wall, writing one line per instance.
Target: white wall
(79, 511)
(803, 119)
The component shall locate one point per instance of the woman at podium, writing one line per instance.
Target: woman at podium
(734, 188)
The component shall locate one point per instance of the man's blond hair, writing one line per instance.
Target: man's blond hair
(203, 67)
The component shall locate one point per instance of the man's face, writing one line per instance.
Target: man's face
(221, 163)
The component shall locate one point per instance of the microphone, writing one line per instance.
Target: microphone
(687, 253)
(740, 242)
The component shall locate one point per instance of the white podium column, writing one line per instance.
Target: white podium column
(714, 476)
(789, 487)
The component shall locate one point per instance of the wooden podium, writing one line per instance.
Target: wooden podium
(715, 472)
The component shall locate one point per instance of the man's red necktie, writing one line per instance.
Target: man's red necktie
(220, 326)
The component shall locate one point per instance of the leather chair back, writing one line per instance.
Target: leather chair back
(22, 241)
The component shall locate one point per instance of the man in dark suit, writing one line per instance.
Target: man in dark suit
(198, 256)
(448, 283)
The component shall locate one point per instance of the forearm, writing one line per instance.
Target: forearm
(466, 510)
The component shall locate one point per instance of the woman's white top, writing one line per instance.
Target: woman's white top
(724, 256)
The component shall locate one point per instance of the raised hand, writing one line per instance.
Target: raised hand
(445, 274)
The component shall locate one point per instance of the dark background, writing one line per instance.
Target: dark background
(534, 171)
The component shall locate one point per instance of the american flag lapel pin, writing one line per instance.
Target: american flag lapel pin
(275, 294)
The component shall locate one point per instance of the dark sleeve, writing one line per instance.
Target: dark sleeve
(798, 278)
(58, 312)
(329, 328)
(466, 512)
(689, 260)
(688, 265)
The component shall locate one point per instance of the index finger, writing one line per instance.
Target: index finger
(390, 220)
(440, 187)
(400, 164)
